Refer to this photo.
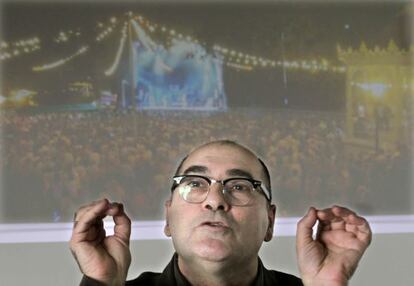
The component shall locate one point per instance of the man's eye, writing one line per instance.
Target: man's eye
(239, 188)
(194, 184)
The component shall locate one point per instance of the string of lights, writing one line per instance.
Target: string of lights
(229, 57)
(107, 30)
(243, 61)
(61, 62)
(65, 36)
(14, 49)
(115, 65)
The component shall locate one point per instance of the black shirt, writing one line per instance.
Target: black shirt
(171, 276)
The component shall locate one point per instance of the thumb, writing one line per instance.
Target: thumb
(304, 229)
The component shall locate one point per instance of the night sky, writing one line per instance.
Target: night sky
(311, 30)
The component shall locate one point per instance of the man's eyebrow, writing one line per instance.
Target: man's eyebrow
(195, 169)
(230, 173)
(239, 173)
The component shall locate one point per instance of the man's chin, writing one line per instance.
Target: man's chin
(214, 250)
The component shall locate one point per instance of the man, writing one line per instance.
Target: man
(218, 215)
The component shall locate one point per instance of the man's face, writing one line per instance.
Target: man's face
(214, 230)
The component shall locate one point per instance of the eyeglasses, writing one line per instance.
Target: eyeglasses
(236, 191)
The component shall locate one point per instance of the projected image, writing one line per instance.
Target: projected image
(182, 77)
(179, 76)
(105, 99)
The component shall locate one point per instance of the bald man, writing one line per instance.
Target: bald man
(218, 215)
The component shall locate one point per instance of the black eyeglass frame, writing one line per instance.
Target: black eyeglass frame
(257, 185)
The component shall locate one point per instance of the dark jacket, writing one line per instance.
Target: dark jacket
(171, 276)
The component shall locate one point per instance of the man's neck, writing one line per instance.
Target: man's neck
(201, 272)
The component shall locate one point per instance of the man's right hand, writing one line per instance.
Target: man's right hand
(103, 258)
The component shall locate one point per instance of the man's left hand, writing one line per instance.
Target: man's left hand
(333, 255)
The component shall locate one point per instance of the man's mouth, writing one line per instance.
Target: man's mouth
(214, 224)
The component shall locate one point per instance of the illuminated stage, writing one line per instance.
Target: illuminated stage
(181, 76)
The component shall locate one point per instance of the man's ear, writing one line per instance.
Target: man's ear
(167, 205)
(271, 213)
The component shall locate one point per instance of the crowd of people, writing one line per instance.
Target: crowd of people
(53, 162)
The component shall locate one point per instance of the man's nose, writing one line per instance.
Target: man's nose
(215, 199)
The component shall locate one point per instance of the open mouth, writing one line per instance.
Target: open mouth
(215, 224)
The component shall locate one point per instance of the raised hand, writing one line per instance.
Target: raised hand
(333, 255)
(103, 258)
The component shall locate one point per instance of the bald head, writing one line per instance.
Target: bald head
(230, 144)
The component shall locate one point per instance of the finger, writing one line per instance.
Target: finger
(342, 212)
(352, 220)
(339, 217)
(334, 218)
(90, 217)
(122, 227)
(329, 214)
(304, 228)
(361, 228)
(84, 209)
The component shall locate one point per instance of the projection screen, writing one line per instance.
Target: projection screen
(103, 99)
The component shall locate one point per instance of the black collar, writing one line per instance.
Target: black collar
(180, 280)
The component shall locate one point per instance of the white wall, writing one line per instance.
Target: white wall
(389, 261)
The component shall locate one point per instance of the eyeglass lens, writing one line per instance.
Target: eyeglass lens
(195, 190)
